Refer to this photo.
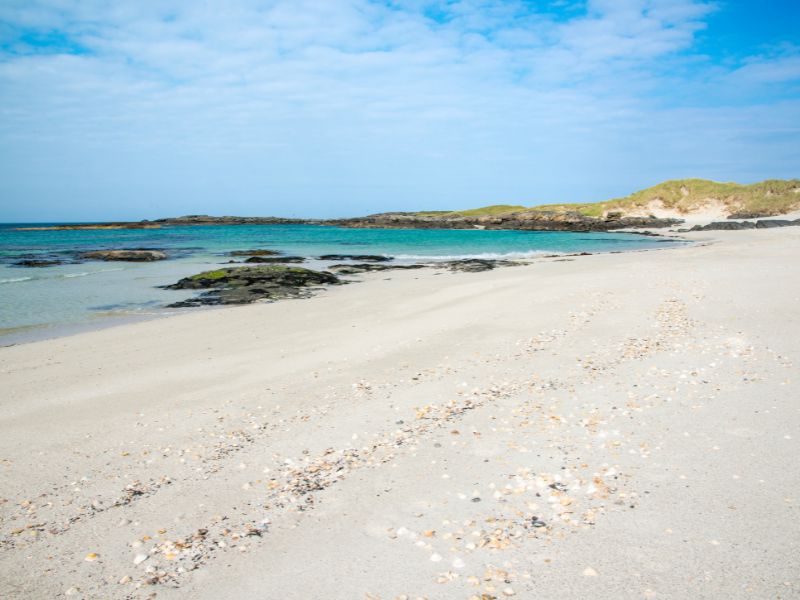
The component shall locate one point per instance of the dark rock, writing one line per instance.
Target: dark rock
(526, 220)
(133, 255)
(230, 220)
(243, 285)
(646, 233)
(476, 265)
(737, 225)
(752, 214)
(256, 252)
(725, 226)
(367, 267)
(539, 220)
(275, 259)
(770, 223)
(38, 263)
(362, 257)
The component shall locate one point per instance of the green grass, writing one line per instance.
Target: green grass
(771, 197)
(767, 198)
(493, 210)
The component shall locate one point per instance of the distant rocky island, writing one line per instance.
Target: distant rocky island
(664, 205)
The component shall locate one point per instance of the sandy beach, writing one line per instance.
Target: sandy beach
(608, 426)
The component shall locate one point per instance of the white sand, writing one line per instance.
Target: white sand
(643, 406)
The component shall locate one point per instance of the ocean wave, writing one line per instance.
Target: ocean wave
(484, 255)
(85, 273)
(15, 279)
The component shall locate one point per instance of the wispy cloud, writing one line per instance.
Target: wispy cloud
(318, 107)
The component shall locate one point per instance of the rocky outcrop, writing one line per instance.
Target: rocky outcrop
(771, 223)
(134, 255)
(175, 221)
(467, 265)
(275, 259)
(523, 220)
(256, 252)
(739, 225)
(99, 226)
(38, 263)
(361, 257)
(476, 265)
(528, 220)
(370, 267)
(243, 285)
(229, 220)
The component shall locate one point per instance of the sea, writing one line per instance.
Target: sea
(42, 302)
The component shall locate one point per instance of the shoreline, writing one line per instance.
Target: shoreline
(53, 331)
(612, 426)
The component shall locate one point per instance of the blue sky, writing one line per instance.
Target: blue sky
(129, 110)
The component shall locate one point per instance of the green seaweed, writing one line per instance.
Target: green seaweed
(219, 274)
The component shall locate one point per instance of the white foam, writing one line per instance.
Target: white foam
(15, 279)
(85, 273)
(484, 255)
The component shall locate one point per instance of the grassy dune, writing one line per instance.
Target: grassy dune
(683, 196)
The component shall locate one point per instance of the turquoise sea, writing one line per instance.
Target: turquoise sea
(47, 301)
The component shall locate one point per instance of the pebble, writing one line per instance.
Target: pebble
(139, 559)
(436, 557)
(589, 572)
(91, 557)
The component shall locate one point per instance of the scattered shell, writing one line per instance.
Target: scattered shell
(91, 557)
(139, 559)
(589, 572)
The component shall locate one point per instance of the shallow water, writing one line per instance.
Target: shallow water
(34, 301)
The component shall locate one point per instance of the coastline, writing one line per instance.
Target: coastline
(103, 320)
(625, 401)
(52, 278)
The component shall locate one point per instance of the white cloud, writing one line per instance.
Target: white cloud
(373, 105)
(781, 68)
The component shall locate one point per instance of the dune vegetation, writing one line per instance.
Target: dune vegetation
(681, 196)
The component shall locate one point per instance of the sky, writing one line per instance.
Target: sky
(117, 110)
